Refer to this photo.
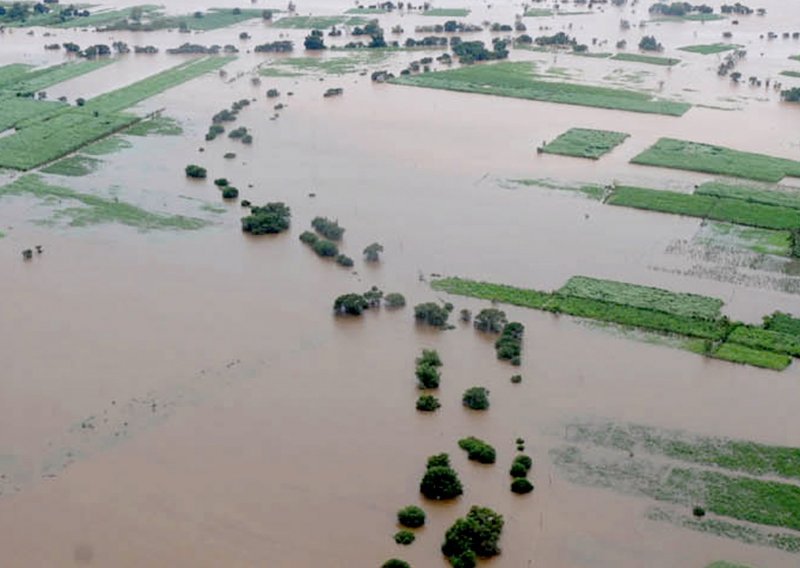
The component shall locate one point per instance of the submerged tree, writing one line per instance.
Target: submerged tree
(372, 252)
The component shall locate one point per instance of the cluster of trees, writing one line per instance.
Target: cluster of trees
(314, 40)
(228, 191)
(195, 171)
(520, 468)
(791, 95)
(471, 51)
(509, 344)
(355, 304)
(427, 372)
(411, 517)
(478, 450)
(475, 536)
(283, 46)
(242, 134)
(737, 8)
(490, 320)
(229, 115)
(433, 314)
(650, 43)
(476, 398)
(428, 41)
(327, 228)
(271, 218)
(559, 39)
(449, 26)
(428, 403)
(198, 49)
(323, 247)
(679, 9)
(21, 11)
(440, 482)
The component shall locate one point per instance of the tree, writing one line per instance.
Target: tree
(478, 450)
(428, 403)
(314, 40)
(230, 193)
(404, 537)
(351, 304)
(431, 313)
(509, 345)
(650, 43)
(440, 482)
(325, 248)
(308, 238)
(271, 218)
(374, 296)
(372, 252)
(394, 300)
(490, 320)
(428, 376)
(429, 357)
(194, 171)
(412, 517)
(479, 533)
(476, 398)
(344, 260)
(521, 486)
(327, 228)
(395, 563)
(791, 95)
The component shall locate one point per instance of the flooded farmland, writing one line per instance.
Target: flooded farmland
(179, 393)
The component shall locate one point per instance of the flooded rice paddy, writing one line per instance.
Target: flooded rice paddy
(187, 398)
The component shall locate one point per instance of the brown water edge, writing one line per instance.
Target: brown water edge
(306, 451)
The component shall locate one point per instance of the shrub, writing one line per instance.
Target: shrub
(490, 320)
(404, 537)
(440, 460)
(221, 182)
(271, 218)
(509, 345)
(213, 131)
(429, 357)
(229, 155)
(395, 563)
(352, 304)
(521, 486)
(698, 511)
(394, 300)
(478, 450)
(428, 403)
(476, 398)
(327, 228)
(440, 483)
(412, 517)
(344, 260)
(372, 252)
(517, 470)
(374, 296)
(428, 376)
(230, 193)
(308, 238)
(325, 248)
(431, 313)
(466, 315)
(194, 171)
(478, 533)
(523, 460)
(516, 379)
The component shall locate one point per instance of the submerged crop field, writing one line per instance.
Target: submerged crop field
(710, 48)
(519, 80)
(650, 59)
(318, 22)
(708, 158)
(585, 143)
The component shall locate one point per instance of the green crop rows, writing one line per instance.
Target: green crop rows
(585, 143)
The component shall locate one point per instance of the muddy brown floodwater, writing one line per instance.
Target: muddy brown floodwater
(188, 399)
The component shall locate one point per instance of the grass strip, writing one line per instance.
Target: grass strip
(741, 354)
(318, 22)
(783, 198)
(592, 191)
(707, 158)
(650, 59)
(646, 297)
(795, 74)
(517, 80)
(710, 48)
(93, 209)
(447, 12)
(585, 143)
(73, 166)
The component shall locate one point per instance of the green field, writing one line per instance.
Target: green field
(333, 65)
(795, 74)
(158, 125)
(784, 323)
(90, 209)
(766, 340)
(518, 80)
(735, 353)
(101, 18)
(786, 197)
(36, 80)
(707, 158)
(154, 19)
(651, 59)
(762, 241)
(585, 143)
(12, 72)
(14, 110)
(710, 48)
(365, 11)
(318, 22)
(611, 291)
(73, 166)
(447, 12)
(537, 13)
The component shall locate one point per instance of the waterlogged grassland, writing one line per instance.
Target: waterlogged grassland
(650, 59)
(768, 340)
(12, 72)
(710, 48)
(518, 80)
(340, 65)
(735, 353)
(73, 166)
(585, 143)
(158, 125)
(527, 298)
(105, 146)
(318, 22)
(782, 197)
(447, 12)
(707, 158)
(762, 241)
(14, 110)
(84, 209)
(592, 191)
(735, 455)
(677, 303)
(37, 79)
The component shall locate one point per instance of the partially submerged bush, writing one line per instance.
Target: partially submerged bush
(428, 403)
(516, 379)
(394, 300)
(351, 304)
(404, 537)
(428, 376)
(521, 486)
(325, 248)
(412, 517)
(271, 218)
(476, 535)
(308, 238)
(490, 320)
(509, 345)
(395, 563)
(195, 171)
(327, 228)
(431, 313)
(429, 357)
(438, 460)
(221, 182)
(230, 193)
(440, 481)
(478, 450)
(372, 252)
(476, 398)
(344, 260)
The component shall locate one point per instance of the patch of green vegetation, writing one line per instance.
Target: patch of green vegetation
(158, 125)
(782, 322)
(736, 353)
(762, 241)
(12, 72)
(745, 533)
(784, 197)
(710, 48)
(38, 79)
(107, 146)
(795, 57)
(517, 80)
(766, 340)
(646, 297)
(495, 292)
(736, 455)
(795, 74)
(93, 209)
(706, 206)
(365, 11)
(73, 166)
(277, 72)
(447, 12)
(595, 54)
(724, 564)
(334, 65)
(212, 19)
(592, 191)
(318, 22)
(102, 18)
(537, 12)
(651, 59)
(707, 158)
(690, 17)
(585, 143)
(14, 110)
